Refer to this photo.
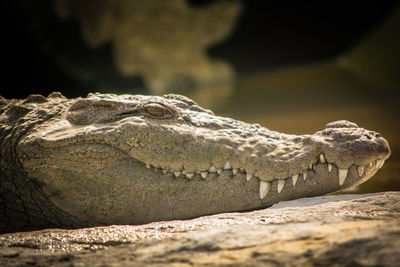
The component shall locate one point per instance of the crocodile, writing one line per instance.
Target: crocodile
(134, 159)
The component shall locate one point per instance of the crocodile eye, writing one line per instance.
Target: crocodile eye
(158, 111)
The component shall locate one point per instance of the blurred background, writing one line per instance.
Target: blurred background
(291, 68)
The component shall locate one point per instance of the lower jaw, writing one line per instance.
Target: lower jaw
(227, 192)
(137, 195)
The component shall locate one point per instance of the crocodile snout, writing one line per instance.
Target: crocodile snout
(382, 146)
(370, 140)
(345, 143)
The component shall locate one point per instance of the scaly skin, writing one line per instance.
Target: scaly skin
(133, 159)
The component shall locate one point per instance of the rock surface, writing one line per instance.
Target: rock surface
(356, 230)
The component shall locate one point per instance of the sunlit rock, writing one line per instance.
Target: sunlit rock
(347, 230)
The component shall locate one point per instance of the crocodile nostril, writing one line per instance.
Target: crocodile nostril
(368, 136)
(377, 135)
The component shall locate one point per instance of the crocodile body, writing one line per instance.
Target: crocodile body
(133, 159)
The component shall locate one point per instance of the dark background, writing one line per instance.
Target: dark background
(41, 53)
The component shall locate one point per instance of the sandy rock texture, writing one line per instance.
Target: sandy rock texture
(342, 230)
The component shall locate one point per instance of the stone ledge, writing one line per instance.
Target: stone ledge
(338, 229)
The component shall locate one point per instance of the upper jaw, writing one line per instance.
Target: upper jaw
(359, 157)
(313, 154)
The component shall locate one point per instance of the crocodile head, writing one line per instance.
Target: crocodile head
(130, 159)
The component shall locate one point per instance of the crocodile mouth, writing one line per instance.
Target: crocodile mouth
(321, 169)
(313, 166)
(318, 169)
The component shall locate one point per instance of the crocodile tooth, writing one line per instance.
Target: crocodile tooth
(294, 179)
(164, 171)
(219, 171)
(177, 174)
(189, 175)
(360, 170)
(304, 176)
(342, 175)
(280, 185)
(329, 167)
(322, 158)
(380, 163)
(264, 188)
(227, 166)
(203, 175)
(234, 171)
(377, 163)
(370, 164)
(248, 176)
(147, 166)
(212, 169)
(311, 166)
